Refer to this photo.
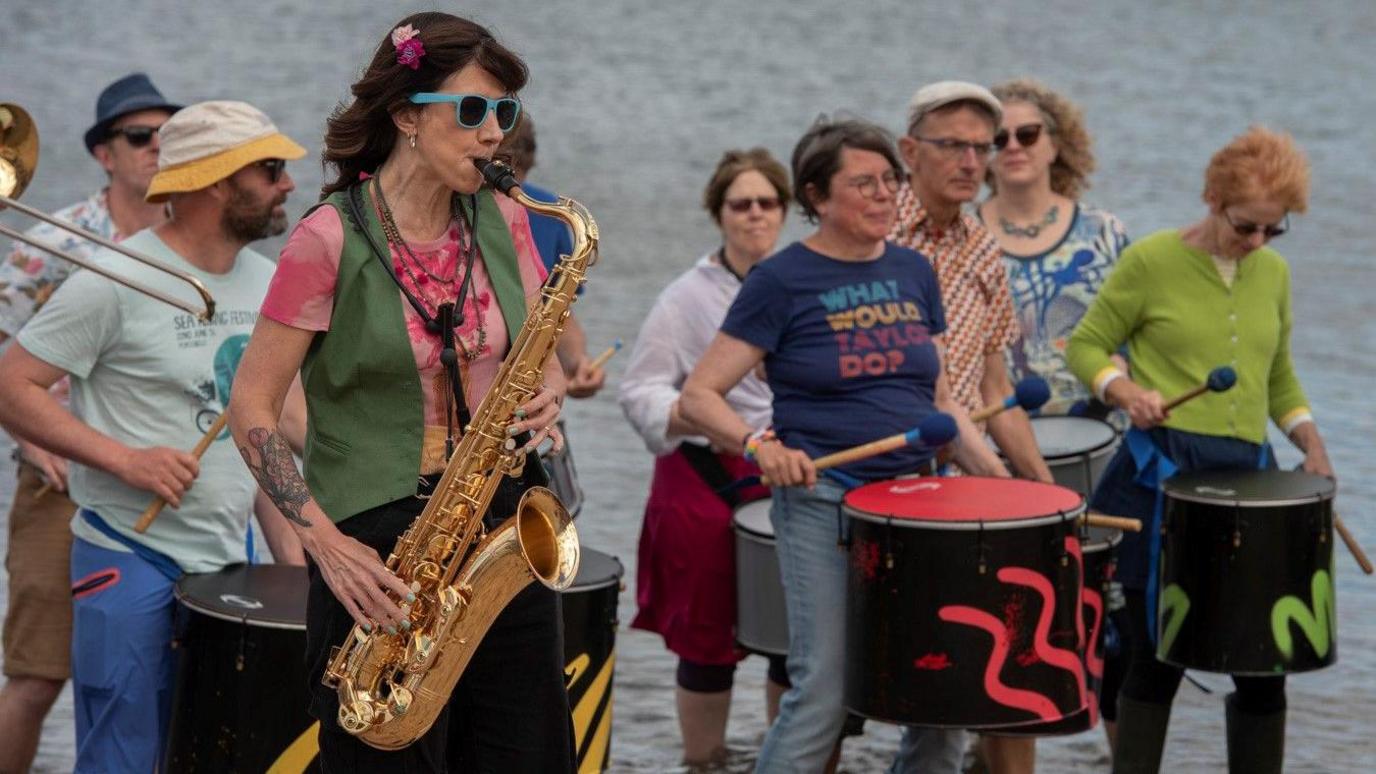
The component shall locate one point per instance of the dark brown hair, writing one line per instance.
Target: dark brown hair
(817, 155)
(360, 136)
(518, 146)
(733, 164)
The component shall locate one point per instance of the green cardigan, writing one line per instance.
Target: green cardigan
(364, 406)
(1168, 302)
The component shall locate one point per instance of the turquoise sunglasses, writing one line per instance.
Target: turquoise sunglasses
(472, 109)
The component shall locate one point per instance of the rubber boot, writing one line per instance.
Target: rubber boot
(1256, 743)
(1141, 736)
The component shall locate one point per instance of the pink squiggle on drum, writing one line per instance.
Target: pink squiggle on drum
(1057, 657)
(1094, 663)
(1031, 701)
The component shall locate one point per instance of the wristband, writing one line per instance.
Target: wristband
(755, 439)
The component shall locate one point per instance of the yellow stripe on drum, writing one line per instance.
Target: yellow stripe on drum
(299, 754)
(585, 714)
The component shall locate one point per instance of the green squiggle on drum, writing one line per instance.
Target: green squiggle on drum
(1175, 603)
(1317, 624)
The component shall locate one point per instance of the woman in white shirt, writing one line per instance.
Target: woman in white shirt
(685, 582)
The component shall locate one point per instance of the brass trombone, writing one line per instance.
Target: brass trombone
(18, 160)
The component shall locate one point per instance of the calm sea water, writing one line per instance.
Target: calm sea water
(635, 101)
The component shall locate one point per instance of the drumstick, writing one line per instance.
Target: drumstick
(1352, 546)
(1111, 522)
(1030, 394)
(42, 491)
(1220, 379)
(933, 431)
(154, 508)
(606, 355)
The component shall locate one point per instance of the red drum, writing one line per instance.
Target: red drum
(964, 603)
(1099, 546)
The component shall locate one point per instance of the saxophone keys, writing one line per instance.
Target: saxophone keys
(400, 700)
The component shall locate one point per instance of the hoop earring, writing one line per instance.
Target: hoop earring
(413, 139)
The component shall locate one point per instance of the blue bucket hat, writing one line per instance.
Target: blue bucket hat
(129, 94)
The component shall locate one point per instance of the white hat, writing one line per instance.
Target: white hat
(205, 143)
(942, 93)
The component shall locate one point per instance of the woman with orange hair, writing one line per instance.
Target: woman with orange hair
(1184, 301)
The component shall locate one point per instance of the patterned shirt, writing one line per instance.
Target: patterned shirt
(30, 276)
(1051, 292)
(974, 290)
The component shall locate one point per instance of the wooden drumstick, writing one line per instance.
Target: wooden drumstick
(154, 508)
(42, 491)
(933, 431)
(1030, 394)
(1353, 547)
(1111, 522)
(1220, 379)
(606, 355)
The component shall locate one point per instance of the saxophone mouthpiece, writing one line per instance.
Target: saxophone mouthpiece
(497, 174)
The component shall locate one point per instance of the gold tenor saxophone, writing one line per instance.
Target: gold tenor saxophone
(392, 687)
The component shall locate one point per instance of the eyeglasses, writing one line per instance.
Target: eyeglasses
(1027, 136)
(869, 184)
(137, 136)
(956, 149)
(274, 167)
(742, 205)
(1270, 230)
(472, 109)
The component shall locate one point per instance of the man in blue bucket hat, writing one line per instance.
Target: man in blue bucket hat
(38, 619)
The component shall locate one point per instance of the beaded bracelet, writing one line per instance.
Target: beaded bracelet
(755, 439)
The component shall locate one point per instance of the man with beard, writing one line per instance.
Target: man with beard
(147, 381)
(38, 618)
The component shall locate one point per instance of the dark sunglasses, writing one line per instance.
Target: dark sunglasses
(472, 109)
(137, 136)
(1027, 136)
(1271, 230)
(742, 205)
(274, 167)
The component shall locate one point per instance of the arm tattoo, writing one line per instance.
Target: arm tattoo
(277, 474)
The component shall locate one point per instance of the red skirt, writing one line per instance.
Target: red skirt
(686, 569)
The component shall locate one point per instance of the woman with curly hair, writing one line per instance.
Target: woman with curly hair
(1183, 301)
(1058, 251)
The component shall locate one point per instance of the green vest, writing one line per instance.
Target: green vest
(365, 416)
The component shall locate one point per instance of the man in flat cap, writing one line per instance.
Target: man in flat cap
(148, 380)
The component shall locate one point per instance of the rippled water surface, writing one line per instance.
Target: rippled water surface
(635, 101)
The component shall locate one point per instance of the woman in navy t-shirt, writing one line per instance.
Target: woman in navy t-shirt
(847, 328)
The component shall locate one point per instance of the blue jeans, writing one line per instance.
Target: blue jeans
(122, 659)
(812, 565)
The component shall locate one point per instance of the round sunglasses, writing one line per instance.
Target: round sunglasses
(472, 109)
(1026, 135)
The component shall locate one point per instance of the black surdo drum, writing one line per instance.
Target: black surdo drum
(1246, 575)
(963, 602)
(590, 654)
(240, 699)
(761, 617)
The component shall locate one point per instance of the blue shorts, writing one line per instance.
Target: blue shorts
(122, 659)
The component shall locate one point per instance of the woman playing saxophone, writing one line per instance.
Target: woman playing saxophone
(397, 299)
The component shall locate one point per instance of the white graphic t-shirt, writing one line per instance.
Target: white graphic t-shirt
(149, 374)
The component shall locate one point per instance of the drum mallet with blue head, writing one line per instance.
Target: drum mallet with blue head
(1030, 394)
(1220, 379)
(154, 508)
(936, 430)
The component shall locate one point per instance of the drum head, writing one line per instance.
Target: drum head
(268, 595)
(964, 502)
(1251, 488)
(1071, 436)
(595, 570)
(753, 517)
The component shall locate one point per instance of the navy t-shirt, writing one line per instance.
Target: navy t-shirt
(849, 350)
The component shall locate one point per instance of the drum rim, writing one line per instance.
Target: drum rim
(1094, 548)
(977, 525)
(1235, 503)
(245, 619)
(738, 525)
(1105, 447)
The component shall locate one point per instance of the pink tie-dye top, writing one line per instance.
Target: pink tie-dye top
(302, 295)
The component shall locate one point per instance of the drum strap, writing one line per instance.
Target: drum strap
(160, 561)
(708, 466)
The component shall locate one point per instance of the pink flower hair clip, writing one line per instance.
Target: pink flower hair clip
(408, 45)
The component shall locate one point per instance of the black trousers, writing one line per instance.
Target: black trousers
(1155, 682)
(509, 711)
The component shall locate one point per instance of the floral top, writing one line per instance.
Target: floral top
(29, 276)
(1051, 292)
